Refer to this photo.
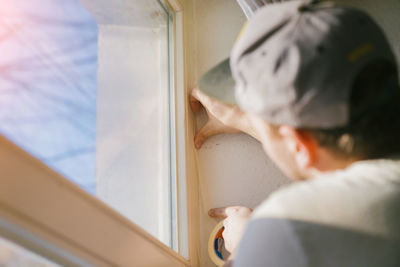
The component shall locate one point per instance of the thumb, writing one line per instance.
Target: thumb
(205, 132)
(194, 103)
(218, 213)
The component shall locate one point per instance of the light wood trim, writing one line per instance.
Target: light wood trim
(41, 201)
(175, 5)
(191, 166)
(38, 199)
(185, 8)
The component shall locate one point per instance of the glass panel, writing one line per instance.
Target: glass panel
(94, 101)
(13, 255)
(133, 123)
(48, 67)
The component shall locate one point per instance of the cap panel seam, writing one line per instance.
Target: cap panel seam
(260, 41)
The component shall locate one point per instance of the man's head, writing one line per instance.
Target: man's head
(320, 82)
(372, 133)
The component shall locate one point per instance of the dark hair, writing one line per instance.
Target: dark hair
(374, 128)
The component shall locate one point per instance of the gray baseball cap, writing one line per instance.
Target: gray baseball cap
(296, 63)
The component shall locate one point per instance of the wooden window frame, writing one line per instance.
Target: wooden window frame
(50, 215)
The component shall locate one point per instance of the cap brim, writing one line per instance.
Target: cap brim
(218, 83)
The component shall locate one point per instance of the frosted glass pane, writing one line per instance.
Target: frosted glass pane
(133, 125)
(48, 65)
(93, 101)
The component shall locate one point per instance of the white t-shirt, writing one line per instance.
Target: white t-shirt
(345, 218)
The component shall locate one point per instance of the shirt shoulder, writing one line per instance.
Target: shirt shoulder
(363, 197)
(354, 212)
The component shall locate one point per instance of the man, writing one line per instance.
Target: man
(317, 85)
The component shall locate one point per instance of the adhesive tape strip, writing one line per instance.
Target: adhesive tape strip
(211, 249)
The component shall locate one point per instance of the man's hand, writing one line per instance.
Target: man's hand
(235, 222)
(222, 118)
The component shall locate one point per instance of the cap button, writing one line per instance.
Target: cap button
(304, 8)
(307, 6)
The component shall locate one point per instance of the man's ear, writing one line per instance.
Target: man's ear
(300, 144)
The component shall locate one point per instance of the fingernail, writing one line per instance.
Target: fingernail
(198, 144)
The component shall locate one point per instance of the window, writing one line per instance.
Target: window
(48, 84)
(12, 254)
(134, 138)
(116, 130)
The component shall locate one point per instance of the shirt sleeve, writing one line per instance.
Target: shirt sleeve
(270, 242)
(277, 242)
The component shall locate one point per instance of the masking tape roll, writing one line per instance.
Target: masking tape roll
(211, 244)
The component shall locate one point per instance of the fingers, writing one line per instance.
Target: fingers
(218, 213)
(194, 104)
(198, 94)
(218, 116)
(235, 222)
(224, 212)
(205, 132)
(199, 139)
(217, 108)
(197, 99)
